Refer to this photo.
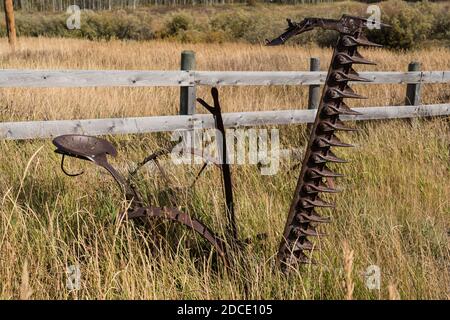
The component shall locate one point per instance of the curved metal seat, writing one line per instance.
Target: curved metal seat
(92, 149)
(83, 147)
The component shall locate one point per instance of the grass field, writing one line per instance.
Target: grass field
(394, 211)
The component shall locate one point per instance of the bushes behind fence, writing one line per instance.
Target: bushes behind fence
(413, 24)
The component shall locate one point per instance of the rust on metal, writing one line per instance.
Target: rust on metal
(96, 150)
(176, 215)
(216, 111)
(315, 177)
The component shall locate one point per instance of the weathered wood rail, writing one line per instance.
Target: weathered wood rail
(129, 78)
(187, 79)
(48, 129)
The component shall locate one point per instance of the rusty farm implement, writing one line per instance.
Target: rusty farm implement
(96, 150)
(314, 178)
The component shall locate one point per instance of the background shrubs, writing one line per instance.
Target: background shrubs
(95, 25)
(413, 24)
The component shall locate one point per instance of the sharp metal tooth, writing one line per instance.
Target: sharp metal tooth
(349, 41)
(318, 202)
(299, 257)
(359, 59)
(318, 157)
(348, 92)
(323, 142)
(304, 244)
(345, 109)
(304, 217)
(322, 187)
(310, 231)
(343, 59)
(356, 58)
(335, 142)
(331, 157)
(324, 173)
(352, 75)
(330, 110)
(342, 108)
(328, 126)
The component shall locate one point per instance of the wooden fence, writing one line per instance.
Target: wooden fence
(188, 79)
(110, 78)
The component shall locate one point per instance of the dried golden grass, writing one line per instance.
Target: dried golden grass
(394, 212)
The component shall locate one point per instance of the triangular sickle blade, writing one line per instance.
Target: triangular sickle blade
(313, 217)
(352, 75)
(342, 108)
(318, 202)
(335, 142)
(359, 59)
(322, 187)
(335, 93)
(345, 109)
(331, 157)
(356, 58)
(323, 142)
(349, 41)
(304, 244)
(310, 231)
(324, 173)
(328, 126)
(318, 157)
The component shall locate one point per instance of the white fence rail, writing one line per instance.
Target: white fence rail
(48, 129)
(128, 78)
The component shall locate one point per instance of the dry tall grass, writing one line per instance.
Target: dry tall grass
(394, 212)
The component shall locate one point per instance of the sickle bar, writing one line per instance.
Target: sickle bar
(303, 219)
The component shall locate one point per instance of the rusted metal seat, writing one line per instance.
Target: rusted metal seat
(83, 147)
(95, 150)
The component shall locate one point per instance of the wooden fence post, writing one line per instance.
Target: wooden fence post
(187, 94)
(10, 23)
(314, 89)
(413, 89)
